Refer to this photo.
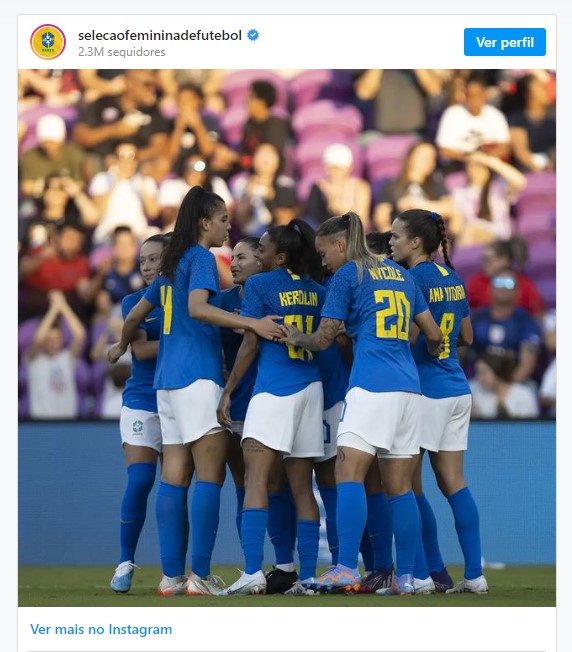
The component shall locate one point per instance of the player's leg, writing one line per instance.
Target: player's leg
(326, 481)
(235, 461)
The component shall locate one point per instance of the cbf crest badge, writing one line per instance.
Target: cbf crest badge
(137, 427)
(48, 41)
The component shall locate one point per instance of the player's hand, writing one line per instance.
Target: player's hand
(223, 411)
(115, 352)
(267, 328)
(290, 335)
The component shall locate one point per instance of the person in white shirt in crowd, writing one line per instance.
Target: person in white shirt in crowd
(496, 395)
(51, 365)
(124, 195)
(472, 126)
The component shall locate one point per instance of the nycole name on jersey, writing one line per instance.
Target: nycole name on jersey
(385, 274)
(298, 298)
(452, 293)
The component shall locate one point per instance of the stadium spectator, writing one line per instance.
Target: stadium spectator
(506, 328)
(262, 126)
(53, 155)
(96, 84)
(533, 126)
(498, 256)
(399, 97)
(132, 117)
(483, 204)
(120, 276)
(49, 86)
(52, 388)
(257, 192)
(340, 191)
(472, 126)
(56, 264)
(495, 393)
(124, 195)
(192, 131)
(63, 202)
(418, 185)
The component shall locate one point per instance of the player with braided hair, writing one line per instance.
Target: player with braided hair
(446, 401)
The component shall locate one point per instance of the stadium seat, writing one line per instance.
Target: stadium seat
(384, 156)
(467, 260)
(311, 85)
(326, 119)
(308, 155)
(536, 225)
(542, 259)
(235, 86)
(547, 288)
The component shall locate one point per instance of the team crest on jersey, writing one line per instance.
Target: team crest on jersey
(137, 427)
(47, 41)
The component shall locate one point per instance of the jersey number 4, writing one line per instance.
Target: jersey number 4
(297, 352)
(396, 305)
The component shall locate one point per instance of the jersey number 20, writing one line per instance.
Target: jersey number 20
(396, 304)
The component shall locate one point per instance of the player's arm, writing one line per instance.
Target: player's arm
(345, 345)
(130, 327)
(432, 332)
(144, 349)
(244, 358)
(201, 310)
(317, 341)
(466, 333)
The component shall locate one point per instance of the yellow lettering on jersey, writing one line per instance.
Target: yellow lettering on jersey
(455, 293)
(298, 298)
(436, 294)
(385, 274)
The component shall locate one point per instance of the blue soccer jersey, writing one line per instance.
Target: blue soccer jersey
(441, 377)
(139, 393)
(378, 311)
(231, 301)
(284, 370)
(188, 349)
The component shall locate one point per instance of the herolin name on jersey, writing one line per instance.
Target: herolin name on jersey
(298, 298)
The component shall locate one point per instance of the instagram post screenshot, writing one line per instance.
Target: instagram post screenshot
(286, 333)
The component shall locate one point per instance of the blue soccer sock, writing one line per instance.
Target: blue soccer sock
(407, 531)
(380, 528)
(429, 535)
(172, 524)
(466, 517)
(308, 534)
(205, 509)
(420, 569)
(140, 480)
(366, 550)
(351, 515)
(280, 526)
(254, 524)
(330, 498)
(239, 504)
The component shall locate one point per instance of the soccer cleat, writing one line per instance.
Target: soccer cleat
(280, 581)
(299, 589)
(338, 579)
(121, 581)
(171, 586)
(246, 584)
(379, 578)
(210, 585)
(400, 585)
(443, 581)
(423, 587)
(478, 585)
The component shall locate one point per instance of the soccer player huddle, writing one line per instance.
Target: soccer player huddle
(328, 360)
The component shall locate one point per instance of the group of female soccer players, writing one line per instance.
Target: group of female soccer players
(344, 378)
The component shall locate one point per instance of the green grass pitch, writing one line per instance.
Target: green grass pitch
(514, 586)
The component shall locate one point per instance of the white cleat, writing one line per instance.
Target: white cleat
(478, 585)
(425, 587)
(299, 589)
(171, 586)
(121, 581)
(246, 584)
(210, 585)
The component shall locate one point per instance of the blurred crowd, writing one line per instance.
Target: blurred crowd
(106, 156)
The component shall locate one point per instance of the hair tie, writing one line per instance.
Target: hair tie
(435, 216)
(295, 226)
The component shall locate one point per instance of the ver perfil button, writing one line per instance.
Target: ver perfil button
(507, 42)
